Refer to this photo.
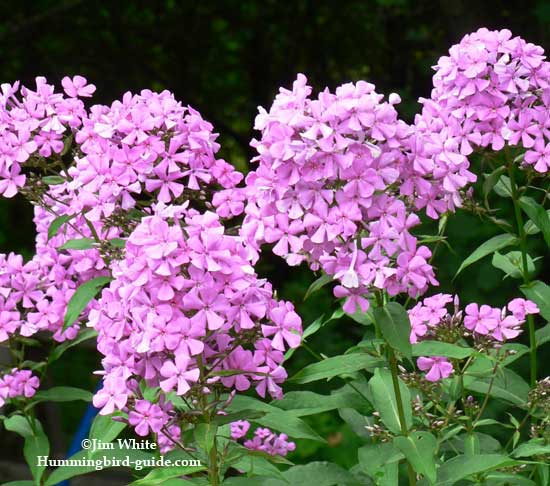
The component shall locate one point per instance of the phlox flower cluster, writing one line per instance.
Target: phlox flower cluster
(492, 90)
(143, 149)
(17, 384)
(187, 313)
(33, 297)
(34, 125)
(329, 190)
(146, 147)
(263, 440)
(431, 320)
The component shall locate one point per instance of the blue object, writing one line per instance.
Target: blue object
(82, 431)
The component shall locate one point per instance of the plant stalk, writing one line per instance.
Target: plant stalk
(400, 408)
(213, 474)
(525, 271)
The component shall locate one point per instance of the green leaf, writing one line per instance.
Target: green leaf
(319, 323)
(512, 264)
(118, 242)
(313, 327)
(19, 425)
(531, 228)
(357, 422)
(35, 446)
(254, 481)
(289, 424)
(57, 223)
(437, 348)
(232, 373)
(80, 299)
(318, 284)
(337, 365)
(538, 215)
(535, 447)
(376, 457)
(517, 349)
(69, 471)
(490, 246)
(243, 402)
(542, 335)
(320, 474)
(159, 476)
(62, 394)
(36, 442)
(105, 429)
(539, 293)
(393, 322)
(53, 180)
(543, 472)
(302, 403)
(233, 417)
(205, 435)
(385, 402)
(363, 318)
(491, 180)
(78, 244)
(67, 145)
(460, 467)
(419, 449)
(507, 386)
(503, 187)
(471, 444)
(83, 335)
(257, 465)
(507, 479)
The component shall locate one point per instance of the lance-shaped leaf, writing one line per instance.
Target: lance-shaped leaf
(82, 296)
(318, 284)
(487, 248)
(36, 442)
(512, 264)
(539, 293)
(460, 467)
(419, 449)
(538, 215)
(393, 321)
(385, 402)
(439, 348)
(78, 244)
(62, 394)
(57, 223)
(337, 365)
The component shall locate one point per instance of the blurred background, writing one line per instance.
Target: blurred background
(225, 58)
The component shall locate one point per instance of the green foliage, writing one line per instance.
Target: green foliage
(487, 248)
(82, 297)
(336, 366)
(439, 348)
(419, 449)
(393, 321)
(385, 400)
(36, 442)
(538, 216)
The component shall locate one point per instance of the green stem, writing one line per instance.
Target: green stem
(213, 473)
(313, 353)
(400, 409)
(487, 394)
(525, 269)
(93, 230)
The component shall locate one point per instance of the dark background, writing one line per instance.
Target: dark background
(227, 57)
